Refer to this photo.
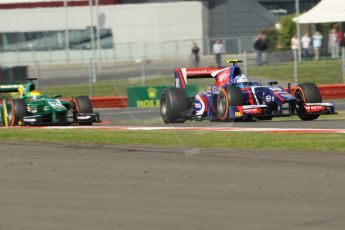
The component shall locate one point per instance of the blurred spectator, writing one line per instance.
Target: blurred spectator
(317, 43)
(264, 49)
(340, 39)
(195, 55)
(218, 51)
(260, 46)
(306, 46)
(294, 46)
(333, 45)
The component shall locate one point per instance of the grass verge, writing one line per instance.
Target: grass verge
(185, 139)
(320, 72)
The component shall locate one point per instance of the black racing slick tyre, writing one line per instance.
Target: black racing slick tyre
(173, 105)
(307, 93)
(228, 96)
(17, 112)
(83, 105)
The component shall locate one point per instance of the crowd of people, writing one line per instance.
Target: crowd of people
(311, 45)
(217, 51)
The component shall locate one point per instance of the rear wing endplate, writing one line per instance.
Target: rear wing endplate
(182, 74)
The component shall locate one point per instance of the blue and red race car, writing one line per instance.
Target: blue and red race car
(234, 98)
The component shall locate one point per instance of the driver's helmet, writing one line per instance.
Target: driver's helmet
(241, 81)
(35, 94)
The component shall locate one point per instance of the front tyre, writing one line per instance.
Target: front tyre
(307, 93)
(173, 105)
(228, 96)
(83, 105)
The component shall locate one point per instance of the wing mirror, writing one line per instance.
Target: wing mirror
(57, 96)
(271, 83)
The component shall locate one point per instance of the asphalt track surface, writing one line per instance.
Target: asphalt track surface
(65, 186)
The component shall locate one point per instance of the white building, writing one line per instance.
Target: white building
(125, 31)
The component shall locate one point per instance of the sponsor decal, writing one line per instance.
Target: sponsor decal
(268, 98)
(238, 114)
(29, 119)
(148, 103)
(276, 89)
(199, 71)
(151, 92)
(223, 76)
(197, 105)
(286, 95)
(56, 104)
(9, 86)
(84, 117)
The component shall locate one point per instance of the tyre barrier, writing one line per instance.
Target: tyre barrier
(332, 91)
(107, 102)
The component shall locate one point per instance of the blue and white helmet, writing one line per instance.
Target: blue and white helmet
(241, 80)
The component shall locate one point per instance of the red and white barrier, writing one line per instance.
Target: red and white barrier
(107, 102)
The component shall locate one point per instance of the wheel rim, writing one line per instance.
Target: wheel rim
(221, 105)
(10, 116)
(299, 97)
(164, 108)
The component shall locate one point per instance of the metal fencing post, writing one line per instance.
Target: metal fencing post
(295, 65)
(66, 31)
(239, 44)
(17, 56)
(298, 30)
(92, 35)
(114, 51)
(343, 62)
(245, 62)
(91, 73)
(37, 73)
(143, 70)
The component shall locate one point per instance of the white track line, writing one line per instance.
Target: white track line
(223, 129)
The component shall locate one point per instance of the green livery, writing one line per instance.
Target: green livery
(32, 108)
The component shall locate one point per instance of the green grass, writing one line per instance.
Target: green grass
(320, 72)
(185, 139)
(105, 88)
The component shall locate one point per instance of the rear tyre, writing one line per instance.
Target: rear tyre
(17, 112)
(83, 105)
(173, 105)
(307, 93)
(228, 96)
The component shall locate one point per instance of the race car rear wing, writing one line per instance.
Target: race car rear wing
(12, 88)
(183, 74)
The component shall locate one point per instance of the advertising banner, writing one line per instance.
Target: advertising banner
(149, 97)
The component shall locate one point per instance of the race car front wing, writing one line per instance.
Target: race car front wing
(79, 118)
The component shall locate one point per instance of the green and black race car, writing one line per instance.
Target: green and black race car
(32, 108)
